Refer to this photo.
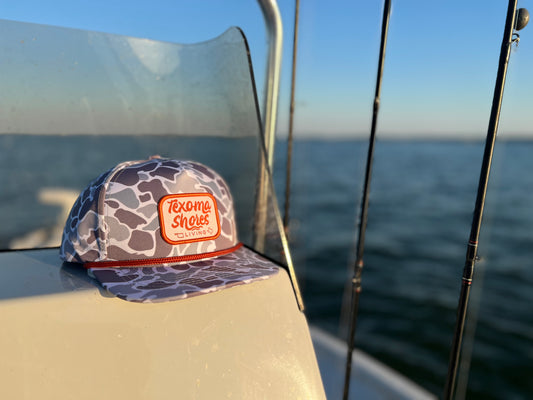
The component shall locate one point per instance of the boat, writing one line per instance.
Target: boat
(195, 102)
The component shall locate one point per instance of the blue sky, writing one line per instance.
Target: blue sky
(440, 68)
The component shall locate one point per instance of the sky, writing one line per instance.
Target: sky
(440, 67)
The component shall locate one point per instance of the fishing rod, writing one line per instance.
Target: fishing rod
(514, 22)
(291, 118)
(358, 267)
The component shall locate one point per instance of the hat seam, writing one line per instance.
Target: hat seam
(102, 204)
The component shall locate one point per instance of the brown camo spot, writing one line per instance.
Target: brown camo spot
(141, 241)
(129, 218)
(156, 285)
(145, 197)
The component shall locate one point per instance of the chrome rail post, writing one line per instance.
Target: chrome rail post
(268, 136)
(270, 107)
(274, 28)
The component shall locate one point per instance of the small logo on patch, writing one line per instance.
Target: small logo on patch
(186, 218)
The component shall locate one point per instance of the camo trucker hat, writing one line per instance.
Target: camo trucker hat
(160, 230)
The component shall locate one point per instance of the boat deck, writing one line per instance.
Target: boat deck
(370, 378)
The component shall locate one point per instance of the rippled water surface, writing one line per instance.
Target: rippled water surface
(421, 205)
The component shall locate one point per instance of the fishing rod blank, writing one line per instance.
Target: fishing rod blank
(358, 267)
(290, 139)
(471, 254)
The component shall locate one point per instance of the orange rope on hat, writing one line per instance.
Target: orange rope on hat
(156, 261)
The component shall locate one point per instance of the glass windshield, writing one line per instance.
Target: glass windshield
(75, 103)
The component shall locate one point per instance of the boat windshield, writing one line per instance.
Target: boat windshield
(75, 103)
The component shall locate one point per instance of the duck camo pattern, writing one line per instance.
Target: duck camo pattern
(116, 218)
(179, 281)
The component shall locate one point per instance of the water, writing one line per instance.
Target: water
(421, 205)
(422, 198)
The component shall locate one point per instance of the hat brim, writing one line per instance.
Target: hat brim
(168, 282)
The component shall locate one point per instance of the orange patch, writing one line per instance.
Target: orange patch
(190, 217)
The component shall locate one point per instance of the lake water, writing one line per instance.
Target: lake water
(421, 204)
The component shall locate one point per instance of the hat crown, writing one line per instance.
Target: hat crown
(156, 208)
